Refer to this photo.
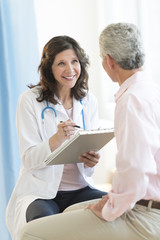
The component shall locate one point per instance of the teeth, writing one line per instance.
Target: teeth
(69, 77)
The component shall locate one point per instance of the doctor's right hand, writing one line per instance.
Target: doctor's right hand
(64, 131)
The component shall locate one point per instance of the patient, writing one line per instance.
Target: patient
(131, 210)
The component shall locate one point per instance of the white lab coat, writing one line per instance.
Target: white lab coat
(36, 180)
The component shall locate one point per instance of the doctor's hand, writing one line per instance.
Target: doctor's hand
(64, 131)
(90, 158)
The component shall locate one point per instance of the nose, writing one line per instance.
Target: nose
(69, 68)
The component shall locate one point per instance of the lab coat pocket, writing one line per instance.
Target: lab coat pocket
(46, 180)
(39, 186)
(44, 174)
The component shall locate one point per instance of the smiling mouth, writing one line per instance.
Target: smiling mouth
(70, 77)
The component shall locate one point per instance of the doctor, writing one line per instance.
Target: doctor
(46, 117)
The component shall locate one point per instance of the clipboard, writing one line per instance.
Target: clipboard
(82, 141)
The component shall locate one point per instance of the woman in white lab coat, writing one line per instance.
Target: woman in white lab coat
(46, 117)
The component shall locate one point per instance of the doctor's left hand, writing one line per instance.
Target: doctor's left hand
(90, 158)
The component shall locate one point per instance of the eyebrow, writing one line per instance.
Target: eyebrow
(60, 60)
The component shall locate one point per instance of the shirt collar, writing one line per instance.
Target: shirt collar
(127, 83)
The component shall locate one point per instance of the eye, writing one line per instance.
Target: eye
(75, 61)
(61, 64)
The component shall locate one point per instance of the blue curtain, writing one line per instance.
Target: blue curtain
(19, 59)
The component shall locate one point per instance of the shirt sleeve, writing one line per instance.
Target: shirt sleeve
(33, 149)
(134, 128)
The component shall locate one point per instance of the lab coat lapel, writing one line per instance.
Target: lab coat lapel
(61, 113)
(77, 110)
(60, 110)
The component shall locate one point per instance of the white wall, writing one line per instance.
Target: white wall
(80, 19)
(85, 19)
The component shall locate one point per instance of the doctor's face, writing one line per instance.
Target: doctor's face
(66, 68)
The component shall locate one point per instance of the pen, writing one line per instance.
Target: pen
(76, 126)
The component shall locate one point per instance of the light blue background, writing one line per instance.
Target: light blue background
(19, 59)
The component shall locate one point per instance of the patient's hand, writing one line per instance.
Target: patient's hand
(97, 208)
(90, 158)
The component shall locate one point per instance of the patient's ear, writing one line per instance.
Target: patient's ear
(110, 62)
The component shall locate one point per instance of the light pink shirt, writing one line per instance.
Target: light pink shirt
(137, 132)
(72, 179)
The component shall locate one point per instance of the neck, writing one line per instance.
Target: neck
(65, 98)
(123, 74)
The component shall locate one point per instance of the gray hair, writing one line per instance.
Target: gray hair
(122, 41)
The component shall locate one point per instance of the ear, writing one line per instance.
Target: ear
(110, 62)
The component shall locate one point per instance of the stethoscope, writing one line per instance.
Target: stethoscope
(55, 113)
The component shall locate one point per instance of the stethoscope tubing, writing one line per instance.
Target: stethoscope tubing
(84, 127)
(55, 113)
(48, 107)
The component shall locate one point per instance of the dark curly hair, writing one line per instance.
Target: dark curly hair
(47, 81)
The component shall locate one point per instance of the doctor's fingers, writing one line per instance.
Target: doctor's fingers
(61, 133)
(66, 131)
(87, 162)
(67, 123)
(69, 129)
(88, 159)
(94, 154)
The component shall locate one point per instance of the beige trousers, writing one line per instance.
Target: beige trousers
(78, 223)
